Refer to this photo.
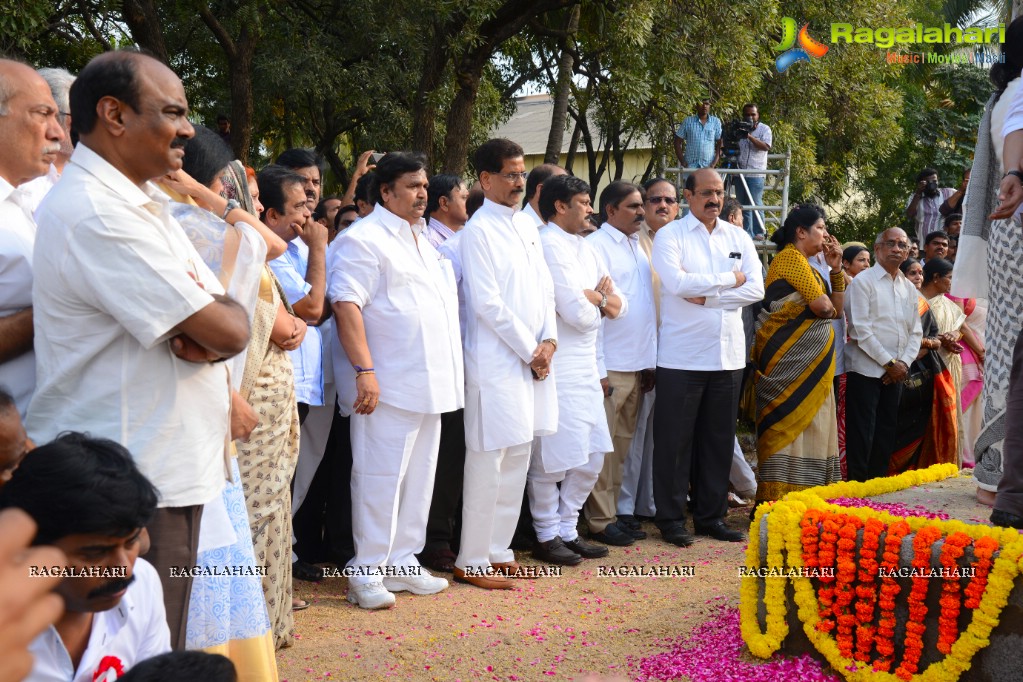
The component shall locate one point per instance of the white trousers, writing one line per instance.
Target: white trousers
(394, 458)
(741, 476)
(637, 493)
(491, 501)
(556, 512)
(311, 446)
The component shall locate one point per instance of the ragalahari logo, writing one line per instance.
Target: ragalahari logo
(808, 47)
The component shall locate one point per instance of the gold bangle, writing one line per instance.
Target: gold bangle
(365, 371)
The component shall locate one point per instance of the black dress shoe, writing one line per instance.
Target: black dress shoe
(634, 533)
(587, 550)
(1006, 519)
(677, 535)
(613, 535)
(303, 570)
(719, 531)
(555, 552)
(628, 521)
(442, 560)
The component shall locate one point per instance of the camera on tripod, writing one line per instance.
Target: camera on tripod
(731, 133)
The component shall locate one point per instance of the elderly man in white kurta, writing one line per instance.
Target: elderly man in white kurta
(32, 137)
(573, 456)
(396, 307)
(509, 342)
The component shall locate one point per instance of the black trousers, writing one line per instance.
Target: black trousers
(323, 524)
(871, 425)
(446, 506)
(694, 435)
(1010, 489)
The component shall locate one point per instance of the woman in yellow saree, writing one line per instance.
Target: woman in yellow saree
(794, 355)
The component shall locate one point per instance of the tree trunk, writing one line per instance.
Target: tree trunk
(144, 23)
(456, 141)
(573, 145)
(240, 74)
(424, 111)
(560, 114)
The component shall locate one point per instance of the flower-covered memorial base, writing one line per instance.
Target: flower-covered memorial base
(899, 578)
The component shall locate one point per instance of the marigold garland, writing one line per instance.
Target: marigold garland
(986, 594)
(948, 619)
(866, 594)
(884, 637)
(923, 544)
(844, 589)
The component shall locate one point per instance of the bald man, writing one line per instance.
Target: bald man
(884, 339)
(132, 324)
(32, 135)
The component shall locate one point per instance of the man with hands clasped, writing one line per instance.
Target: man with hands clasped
(884, 338)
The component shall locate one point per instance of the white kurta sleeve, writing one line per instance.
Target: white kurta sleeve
(571, 304)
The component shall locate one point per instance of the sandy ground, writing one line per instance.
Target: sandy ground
(556, 627)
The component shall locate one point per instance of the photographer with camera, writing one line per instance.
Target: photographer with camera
(924, 206)
(754, 145)
(698, 138)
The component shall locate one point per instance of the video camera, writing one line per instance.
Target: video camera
(731, 133)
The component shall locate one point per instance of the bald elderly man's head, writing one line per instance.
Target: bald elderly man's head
(131, 109)
(891, 248)
(705, 193)
(29, 127)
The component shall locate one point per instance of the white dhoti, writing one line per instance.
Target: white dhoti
(394, 457)
(741, 476)
(491, 501)
(556, 512)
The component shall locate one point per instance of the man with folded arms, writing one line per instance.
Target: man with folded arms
(709, 270)
(396, 307)
(510, 339)
(572, 457)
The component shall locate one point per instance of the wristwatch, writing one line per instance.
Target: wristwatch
(603, 301)
(890, 364)
(553, 342)
(1015, 173)
(231, 205)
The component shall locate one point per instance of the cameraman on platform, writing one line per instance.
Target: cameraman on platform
(698, 138)
(753, 149)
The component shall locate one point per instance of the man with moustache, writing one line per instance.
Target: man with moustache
(562, 474)
(510, 339)
(91, 502)
(924, 207)
(131, 324)
(60, 82)
(709, 270)
(534, 184)
(32, 139)
(396, 308)
(935, 245)
(698, 138)
(637, 495)
(884, 339)
(627, 351)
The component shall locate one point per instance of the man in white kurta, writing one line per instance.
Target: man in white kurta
(31, 142)
(509, 341)
(573, 456)
(396, 306)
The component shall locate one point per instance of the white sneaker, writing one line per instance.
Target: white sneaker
(370, 596)
(424, 583)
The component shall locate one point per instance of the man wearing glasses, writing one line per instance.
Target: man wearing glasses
(709, 270)
(884, 338)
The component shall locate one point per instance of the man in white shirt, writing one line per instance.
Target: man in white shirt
(924, 206)
(90, 501)
(59, 82)
(753, 150)
(130, 322)
(628, 351)
(396, 307)
(709, 270)
(534, 184)
(446, 213)
(572, 457)
(510, 339)
(32, 138)
(637, 495)
(884, 340)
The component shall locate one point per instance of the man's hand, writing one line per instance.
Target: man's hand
(592, 296)
(363, 166)
(698, 300)
(541, 362)
(740, 278)
(647, 379)
(896, 373)
(1010, 196)
(243, 418)
(369, 393)
(314, 234)
(920, 187)
(294, 340)
(190, 351)
(27, 606)
(605, 386)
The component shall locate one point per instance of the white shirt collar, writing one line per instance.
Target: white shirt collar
(441, 228)
(617, 234)
(106, 173)
(497, 208)
(691, 222)
(394, 223)
(6, 189)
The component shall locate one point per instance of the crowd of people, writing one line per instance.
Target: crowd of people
(233, 380)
